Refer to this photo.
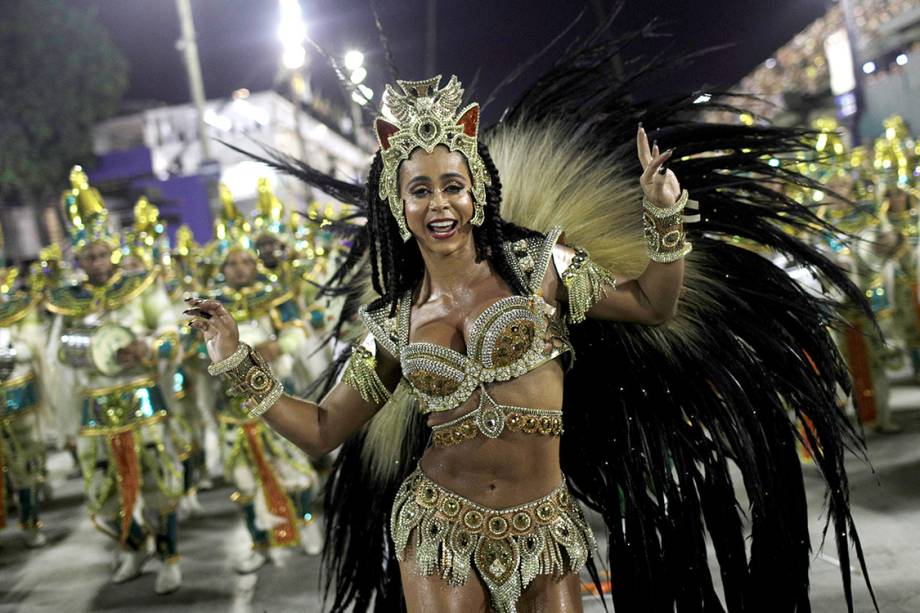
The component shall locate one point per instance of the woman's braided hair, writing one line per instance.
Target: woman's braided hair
(397, 266)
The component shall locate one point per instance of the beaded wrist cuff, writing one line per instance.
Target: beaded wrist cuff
(361, 374)
(249, 377)
(664, 230)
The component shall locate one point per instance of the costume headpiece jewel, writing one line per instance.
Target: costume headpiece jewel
(426, 116)
(231, 231)
(87, 217)
(146, 239)
(269, 217)
(185, 242)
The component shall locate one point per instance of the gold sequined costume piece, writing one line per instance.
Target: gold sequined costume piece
(505, 341)
(491, 419)
(507, 548)
(664, 230)
(361, 374)
(586, 284)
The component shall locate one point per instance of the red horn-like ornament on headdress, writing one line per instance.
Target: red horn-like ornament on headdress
(384, 131)
(470, 121)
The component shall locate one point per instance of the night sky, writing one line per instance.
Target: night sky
(239, 47)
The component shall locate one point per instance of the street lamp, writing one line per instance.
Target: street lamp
(292, 31)
(354, 60)
(354, 64)
(358, 75)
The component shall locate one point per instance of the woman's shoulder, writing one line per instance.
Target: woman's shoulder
(530, 253)
(384, 318)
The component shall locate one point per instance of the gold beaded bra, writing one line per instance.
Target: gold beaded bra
(505, 341)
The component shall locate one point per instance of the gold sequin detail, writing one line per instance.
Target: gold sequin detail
(507, 548)
(586, 284)
(361, 375)
(432, 383)
(513, 342)
(664, 230)
(516, 419)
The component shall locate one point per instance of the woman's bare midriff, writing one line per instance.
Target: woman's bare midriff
(514, 468)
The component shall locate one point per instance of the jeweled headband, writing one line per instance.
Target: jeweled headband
(425, 116)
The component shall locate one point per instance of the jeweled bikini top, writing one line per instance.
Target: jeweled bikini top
(505, 341)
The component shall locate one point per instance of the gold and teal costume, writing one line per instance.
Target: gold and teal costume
(126, 446)
(22, 451)
(275, 481)
(299, 266)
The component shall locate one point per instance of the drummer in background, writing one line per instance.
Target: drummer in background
(275, 481)
(125, 453)
(22, 450)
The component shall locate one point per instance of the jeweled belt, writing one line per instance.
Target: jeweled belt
(491, 419)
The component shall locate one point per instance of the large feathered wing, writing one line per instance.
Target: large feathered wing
(657, 419)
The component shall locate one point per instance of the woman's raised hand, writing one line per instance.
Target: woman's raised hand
(658, 181)
(221, 334)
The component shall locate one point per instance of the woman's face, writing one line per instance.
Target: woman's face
(435, 190)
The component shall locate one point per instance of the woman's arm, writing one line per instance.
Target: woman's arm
(317, 428)
(320, 428)
(651, 298)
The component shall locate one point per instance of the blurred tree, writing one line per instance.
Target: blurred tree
(60, 73)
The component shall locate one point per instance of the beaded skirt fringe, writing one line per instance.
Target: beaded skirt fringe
(506, 548)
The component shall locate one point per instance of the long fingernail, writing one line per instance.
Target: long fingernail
(640, 125)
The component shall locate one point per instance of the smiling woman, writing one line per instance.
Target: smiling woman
(471, 436)
(438, 208)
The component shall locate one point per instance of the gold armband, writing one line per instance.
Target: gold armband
(361, 374)
(664, 230)
(586, 283)
(250, 377)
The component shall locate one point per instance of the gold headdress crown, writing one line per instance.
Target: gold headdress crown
(185, 242)
(231, 231)
(426, 116)
(87, 217)
(146, 239)
(269, 217)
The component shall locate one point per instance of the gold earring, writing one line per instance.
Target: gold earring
(479, 213)
(404, 232)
